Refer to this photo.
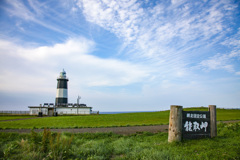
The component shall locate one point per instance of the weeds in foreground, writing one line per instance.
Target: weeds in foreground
(45, 145)
(144, 145)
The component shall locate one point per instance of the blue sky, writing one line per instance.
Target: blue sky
(121, 55)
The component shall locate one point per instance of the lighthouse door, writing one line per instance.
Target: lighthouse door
(50, 111)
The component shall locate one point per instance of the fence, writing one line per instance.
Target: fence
(95, 112)
(14, 113)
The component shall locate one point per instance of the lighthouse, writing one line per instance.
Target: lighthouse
(61, 107)
(62, 90)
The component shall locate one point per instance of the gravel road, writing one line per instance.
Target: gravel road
(117, 130)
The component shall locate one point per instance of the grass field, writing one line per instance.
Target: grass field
(47, 145)
(108, 120)
(8, 117)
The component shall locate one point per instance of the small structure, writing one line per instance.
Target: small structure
(61, 107)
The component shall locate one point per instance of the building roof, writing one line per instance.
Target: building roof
(58, 107)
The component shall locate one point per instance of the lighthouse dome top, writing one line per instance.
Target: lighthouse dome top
(62, 74)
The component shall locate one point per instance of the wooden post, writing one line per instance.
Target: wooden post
(213, 120)
(175, 124)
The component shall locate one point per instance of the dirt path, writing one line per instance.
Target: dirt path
(117, 130)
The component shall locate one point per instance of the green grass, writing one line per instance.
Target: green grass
(149, 146)
(222, 114)
(4, 117)
(105, 120)
(109, 120)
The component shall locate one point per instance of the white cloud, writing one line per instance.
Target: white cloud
(72, 47)
(33, 68)
(161, 41)
(163, 33)
(218, 62)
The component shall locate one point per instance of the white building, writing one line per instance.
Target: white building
(49, 111)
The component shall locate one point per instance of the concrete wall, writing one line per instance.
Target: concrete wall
(34, 111)
(63, 111)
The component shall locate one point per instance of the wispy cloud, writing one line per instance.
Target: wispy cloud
(18, 9)
(161, 23)
(166, 32)
(35, 12)
(218, 62)
(224, 61)
(120, 17)
(233, 41)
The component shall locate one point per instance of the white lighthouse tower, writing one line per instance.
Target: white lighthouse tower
(62, 90)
